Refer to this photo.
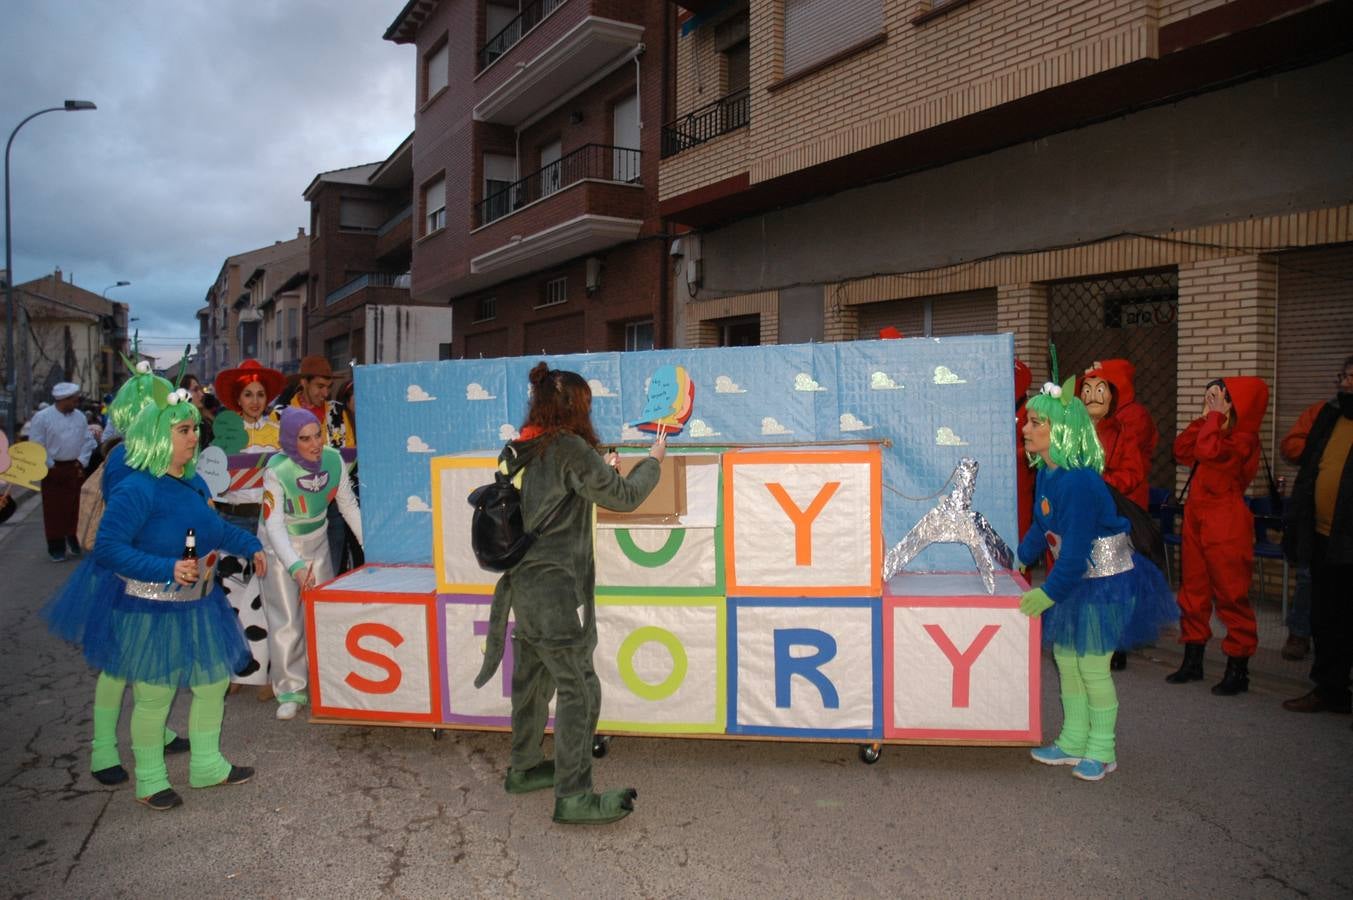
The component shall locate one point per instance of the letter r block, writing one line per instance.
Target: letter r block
(803, 523)
(371, 639)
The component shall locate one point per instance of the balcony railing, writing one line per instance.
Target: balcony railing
(503, 41)
(601, 161)
(370, 279)
(706, 123)
(395, 220)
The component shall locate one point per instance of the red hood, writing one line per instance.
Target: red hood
(1249, 398)
(1023, 378)
(1118, 372)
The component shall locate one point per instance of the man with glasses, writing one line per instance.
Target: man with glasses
(1320, 534)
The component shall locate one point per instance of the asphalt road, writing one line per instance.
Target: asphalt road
(1224, 797)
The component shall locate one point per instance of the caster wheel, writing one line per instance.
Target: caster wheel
(437, 734)
(870, 753)
(601, 745)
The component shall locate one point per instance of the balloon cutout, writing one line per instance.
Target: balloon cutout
(671, 399)
(227, 431)
(27, 465)
(4, 452)
(212, 466)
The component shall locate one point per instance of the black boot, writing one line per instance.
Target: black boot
(1191, 669)
(1237, 677)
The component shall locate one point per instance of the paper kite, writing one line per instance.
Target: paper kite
(671, 399)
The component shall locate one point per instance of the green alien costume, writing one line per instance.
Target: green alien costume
(550, 593)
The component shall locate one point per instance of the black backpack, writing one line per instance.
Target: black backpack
(497, 534)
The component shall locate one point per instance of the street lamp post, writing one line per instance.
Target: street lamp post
(11, 377)
(111, 286)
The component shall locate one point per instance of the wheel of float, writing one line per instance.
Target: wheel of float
(437, 734)
(870, 753)
(601, 745)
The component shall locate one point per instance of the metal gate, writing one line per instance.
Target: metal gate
(1133, 317)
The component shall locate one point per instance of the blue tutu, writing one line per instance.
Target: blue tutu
(1120, 612)
(180, 643)
(79, 611)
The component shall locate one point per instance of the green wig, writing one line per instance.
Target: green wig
(1073, 443)
(135, 395)
(149, 438)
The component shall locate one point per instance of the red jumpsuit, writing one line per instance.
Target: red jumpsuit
(1024, 473)
(1218, 544)
(1129, 472)
(1124, 466)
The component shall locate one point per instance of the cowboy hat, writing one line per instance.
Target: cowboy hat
(229, 383)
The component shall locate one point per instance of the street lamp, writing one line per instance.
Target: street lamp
(111, 286)
(11, 379)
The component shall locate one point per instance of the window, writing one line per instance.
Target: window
(732, 39)
(815, 30)
(556, 291)
(485, 309)
(336, 350)
(444, 352)
(740, 332)
(355, 214)
(639, 335)
(435, 70)
(434, 205)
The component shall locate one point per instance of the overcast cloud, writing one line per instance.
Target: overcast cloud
(213, 118)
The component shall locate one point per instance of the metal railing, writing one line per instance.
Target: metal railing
(369, 279)
(706, 123)
(601, 161)
(515, 30)
(394, 220)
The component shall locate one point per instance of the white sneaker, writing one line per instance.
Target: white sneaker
(288, 710)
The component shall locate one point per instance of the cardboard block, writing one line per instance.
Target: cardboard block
(463, 624)
(453, 478)
(662, 664)
(805, 667)
(370, 635)
(959, 664)
(803, 523)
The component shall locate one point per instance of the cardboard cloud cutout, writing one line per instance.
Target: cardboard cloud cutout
(227, 432)
(671, 398)
(415, 394)
(599, 389)
(945, 437)
(27, 465)
(725, 385)
(415, 444)
(804, 382)
(475, 391)
(214, 469)
(770, 426)
(851, 422)
(882, 381)
(4, 452)
(700, 429)
(417, 504)
(945, 375)
(507, 433)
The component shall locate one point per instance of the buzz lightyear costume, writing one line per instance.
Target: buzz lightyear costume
(296, 498)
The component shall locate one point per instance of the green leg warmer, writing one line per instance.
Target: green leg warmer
(107, 710)
(150, 710)
(1103, 703)
(1075, 706)
(206, 765)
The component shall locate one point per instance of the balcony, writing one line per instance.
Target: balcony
(379, 287)
(549, 68)
(396, 233)
(706, 123)
(504, 40)
(600, 162)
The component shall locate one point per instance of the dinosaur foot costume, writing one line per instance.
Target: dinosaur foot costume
(594, 809)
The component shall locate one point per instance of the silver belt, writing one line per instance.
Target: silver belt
(1110, 555)
(173, 591)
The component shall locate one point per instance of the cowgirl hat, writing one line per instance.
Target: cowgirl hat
(229, 383)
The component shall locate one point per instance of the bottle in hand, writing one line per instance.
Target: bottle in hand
(190, 545)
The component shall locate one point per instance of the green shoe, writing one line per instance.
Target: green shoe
(537, 778)
(594, 809)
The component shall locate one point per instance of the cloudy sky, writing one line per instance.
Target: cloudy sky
(212, 119)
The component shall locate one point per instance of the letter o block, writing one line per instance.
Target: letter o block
(803, 523)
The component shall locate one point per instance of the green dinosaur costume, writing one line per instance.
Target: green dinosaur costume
(551, 594)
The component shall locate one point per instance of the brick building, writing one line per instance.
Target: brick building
(231, 323)
(63, 333)
(361, 221)
(1167, 180)
(535, 165)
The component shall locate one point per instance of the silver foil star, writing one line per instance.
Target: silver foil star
(954, 521)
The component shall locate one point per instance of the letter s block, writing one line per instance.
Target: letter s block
(803, 523)
(370, 635)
